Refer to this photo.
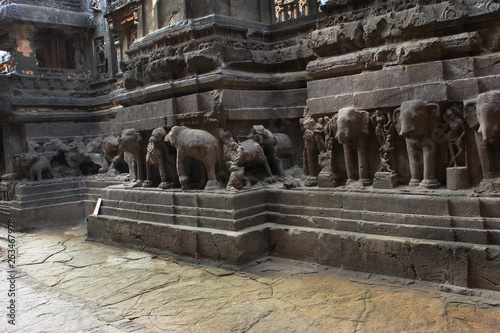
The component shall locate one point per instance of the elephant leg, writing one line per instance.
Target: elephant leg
(349, 163)
(484, 156)
(429, 153)
(364, 176)
(266, 166)
(33, 174)
(163, 174)
(149, 177)
(133, 170)
(415, 157)
(276, 161)
(51, 171)
(212, 180)
(140, 167)
(183, 178)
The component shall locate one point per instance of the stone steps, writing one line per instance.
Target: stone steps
(235, 247)
(225, 212)
(447, 218)
(468, 235)
(444, 218)
(437, 238)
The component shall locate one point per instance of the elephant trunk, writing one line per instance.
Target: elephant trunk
(488, 132)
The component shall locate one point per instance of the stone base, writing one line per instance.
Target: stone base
(457, 178)
(384, 231)
(327, 180)
(51, 202)
(385, 180)
(430, 183)
(311, 181)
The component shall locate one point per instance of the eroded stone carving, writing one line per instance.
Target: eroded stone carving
(35, 162)
(157, 156)
(454, 127)
(130, 142)
(269, 143)
(310, 152)
(483, 116)
(200, 145)
(416, 120)
(327, 176)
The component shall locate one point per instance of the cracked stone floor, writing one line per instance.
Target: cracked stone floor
(67, 284)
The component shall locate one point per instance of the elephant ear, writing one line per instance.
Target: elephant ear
(435, 116)
(470, 113)
(365, 121)
(396, 120)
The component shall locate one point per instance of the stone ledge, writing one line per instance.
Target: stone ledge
(39, 14)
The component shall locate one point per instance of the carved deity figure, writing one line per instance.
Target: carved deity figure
(319, 135)
(454, 127)
(310, 150)
(379, 121)
(384, 128)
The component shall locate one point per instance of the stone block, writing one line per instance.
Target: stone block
(385, 180)
(484, 268)
(458, 69)
(489, 207)
(464, 89)
(440, 262)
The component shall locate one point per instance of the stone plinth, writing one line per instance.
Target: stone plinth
(457, 178)
(405, 232)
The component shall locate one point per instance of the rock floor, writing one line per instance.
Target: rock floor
(66, 284)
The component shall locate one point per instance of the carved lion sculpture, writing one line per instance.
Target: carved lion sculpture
(198, 144)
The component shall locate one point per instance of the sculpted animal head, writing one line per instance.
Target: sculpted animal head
(416, 119)
(130, 140)
(158, 135)
(171, 137)
(351, 124)
(483, 114)
(110, 145)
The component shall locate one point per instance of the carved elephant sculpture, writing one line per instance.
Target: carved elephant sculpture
(157, 156)
(353, 127)
(416, 120)
(269, 142)
(130, 143)
(198, 144)
(250, 151)
(483, 116)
